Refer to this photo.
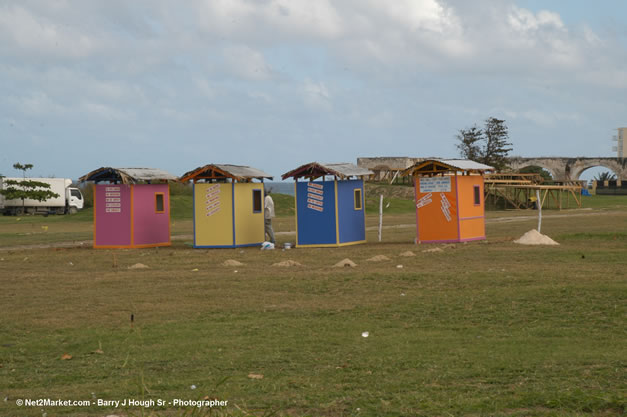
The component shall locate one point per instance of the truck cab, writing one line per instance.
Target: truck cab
(75, 200)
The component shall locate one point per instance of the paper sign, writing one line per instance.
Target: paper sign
(435, 185)
(113, 200)
(424, 200)
(445, 206)
(315, 196)
(212, 200)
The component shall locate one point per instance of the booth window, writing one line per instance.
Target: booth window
(357, 195)
(477, 195)
(159, 203)
(257, 206)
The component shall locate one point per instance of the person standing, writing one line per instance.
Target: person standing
(268, 214)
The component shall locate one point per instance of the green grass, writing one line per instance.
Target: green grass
(611, 236)
(483, 329)
(462, 340)
(605, 201)
(283, 204)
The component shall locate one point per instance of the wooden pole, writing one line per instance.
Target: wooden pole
(539, 204)
(380, 215)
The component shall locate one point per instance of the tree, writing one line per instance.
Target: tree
(605, 176)
(489, 146)
(496, 145)
(534, 169)
(34, 190)
(469, 143)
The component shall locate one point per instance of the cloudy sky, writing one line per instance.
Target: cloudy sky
(278, 83)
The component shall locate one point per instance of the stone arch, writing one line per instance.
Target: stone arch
(554, 167)
(547, 169)
(616, 174)
(580, 165)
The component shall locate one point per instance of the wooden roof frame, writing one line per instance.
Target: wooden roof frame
(116, 175)
(213, 172)
(314, 170)
(434, 167)
(311, 171)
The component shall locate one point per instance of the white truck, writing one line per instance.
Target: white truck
(70, 199)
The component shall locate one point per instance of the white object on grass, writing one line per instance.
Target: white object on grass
(267, 246)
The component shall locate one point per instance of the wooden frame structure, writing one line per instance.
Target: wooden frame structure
(519, 191)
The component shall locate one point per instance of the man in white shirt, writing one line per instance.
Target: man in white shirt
(268, 214)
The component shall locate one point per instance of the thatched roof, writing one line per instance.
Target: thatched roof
(435, 166)
(239, 173)
(314, 170)
(128, 175)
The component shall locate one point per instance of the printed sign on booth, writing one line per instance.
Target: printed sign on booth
(435, 185)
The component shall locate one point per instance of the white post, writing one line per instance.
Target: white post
(539, 206)
(380, 215)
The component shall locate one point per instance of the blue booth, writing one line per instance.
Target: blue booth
(330, 204)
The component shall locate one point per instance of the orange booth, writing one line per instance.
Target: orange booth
(449, 200)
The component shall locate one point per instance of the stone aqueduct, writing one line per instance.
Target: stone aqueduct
(562, 169)
(565, 169)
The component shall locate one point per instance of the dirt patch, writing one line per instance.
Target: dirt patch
(378, 258)
(232, 262)
(138, 266)
(433, 250)
(287, 263)
(407, 253)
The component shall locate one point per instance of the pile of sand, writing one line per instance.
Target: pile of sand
(138, 266)
(533, 237)
(289, 262)
(408, 253)
(432, 250)
(378, 258)
(346, 262)
(232, 262)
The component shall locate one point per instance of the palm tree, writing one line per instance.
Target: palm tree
(605, 176)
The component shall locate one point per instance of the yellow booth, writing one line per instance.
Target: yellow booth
(228, 205)
(449, 200)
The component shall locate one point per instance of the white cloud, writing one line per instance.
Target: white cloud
(38, 104)
(362, 68)
(415, 14)
(205, 88)
(524, 20)
(543, 118)
(246, 62)
(316, 95)
(263, 20)
(104, 112)
(25, 31)
(395, 39)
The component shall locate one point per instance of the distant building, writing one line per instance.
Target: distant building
(621, 146)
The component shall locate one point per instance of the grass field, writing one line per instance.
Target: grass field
(483, 329)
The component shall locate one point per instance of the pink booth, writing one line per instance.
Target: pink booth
(131, 207)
